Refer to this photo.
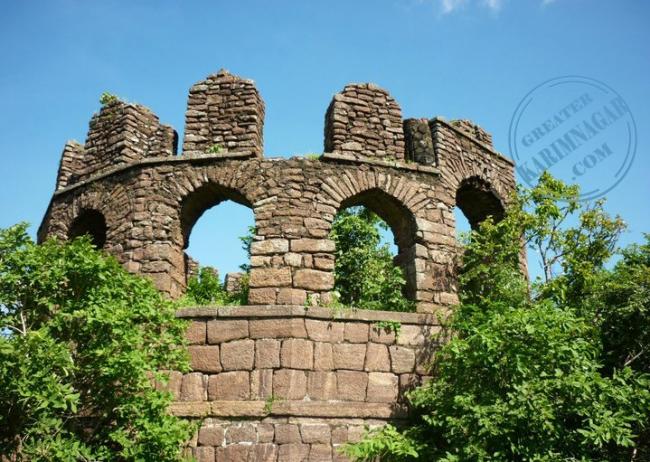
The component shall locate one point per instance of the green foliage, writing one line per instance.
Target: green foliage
(215, 149)
(554, 370)
(313, 156)
(365, 276)
(81, 341)
(107, 98)
(388, 326)
(205, 288)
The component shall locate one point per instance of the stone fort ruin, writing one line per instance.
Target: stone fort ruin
(326, 374)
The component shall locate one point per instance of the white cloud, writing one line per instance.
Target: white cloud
(449, 6)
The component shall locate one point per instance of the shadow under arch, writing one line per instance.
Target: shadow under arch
(401, 222)
(195, 203)
(477, 199)
(92, 223)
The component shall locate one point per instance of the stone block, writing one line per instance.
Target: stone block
(267, 353)
(270, 277)
(323, 356)
(204, 454)
(211, 436)
(265, 433)
(269, 246)
(377, 358)
(192, 387)
(320, 453)
(297, 354)
(238, 355)
(289, 384)
(382, 387)
(313, 279)
(229, 386)
(325, 331)
(356, 332)
(224, 330)
(287, 433)
(265, 452)
(195, 333)
(243, 433)
(261, 384)
(312, 245)
(349, 356)
(293, 452)
(413, 335)
(290, 296)
(402, 359)
(315, 433)
(204, 358)
(340, 434)
(321, 386)
(351, 385)
(278, 328)
(382, 335)
(264, 296)
(234, 453)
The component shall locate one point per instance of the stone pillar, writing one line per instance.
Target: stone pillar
(225, 113)
(419, 144)
(71, 164)
(364, 120)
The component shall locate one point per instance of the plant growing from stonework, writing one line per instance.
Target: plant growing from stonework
(215, 149)
(107, 98)
(81, 343)
(388, 326)
(365, 276)
(554, 370)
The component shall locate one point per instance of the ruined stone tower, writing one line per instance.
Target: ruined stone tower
(330, 373)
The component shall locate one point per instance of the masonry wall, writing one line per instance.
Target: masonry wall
(289, 384)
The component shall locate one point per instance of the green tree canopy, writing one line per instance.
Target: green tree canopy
(80, 342)
(548, 371)
(364, 274)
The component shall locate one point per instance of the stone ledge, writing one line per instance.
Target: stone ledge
(322, 409)
(484, 146)
(284, 311)
(400, 165)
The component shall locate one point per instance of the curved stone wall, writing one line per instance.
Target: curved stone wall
(288, 383)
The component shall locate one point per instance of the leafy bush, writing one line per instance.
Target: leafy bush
(555, 370)
(80, 342)
(206, 289)
(365, 276)
(107, 98)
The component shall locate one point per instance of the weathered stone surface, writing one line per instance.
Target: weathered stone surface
(205, 358)
(278, 328)
(349, 356)
(382, 387)
(192, 387)
(293, 452)
(323, 356)
(233, 453)
(270, 246)
(297, 354)
(270, 277)
(238, 355)
(315, 433)
(321, 385)
(377, 359)
(264, 453)
(204, 454)
(325, 331)
(352, 385)
(312, 245)
(287, 433)
(289, 384)
(402, 359)
(223, 330)
(262, 384)
(195, 333)
(211, 436)
(356, 332)
(313, 279)
(229, 386)
(267, 353)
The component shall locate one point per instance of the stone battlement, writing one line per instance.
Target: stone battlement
(130, 190)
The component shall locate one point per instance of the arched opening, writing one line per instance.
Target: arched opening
(477, 200)
(92, 223)
(379, 217)
(214, 220)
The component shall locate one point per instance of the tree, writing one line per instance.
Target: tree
(364, 274)
(81, 343)
(552, 370)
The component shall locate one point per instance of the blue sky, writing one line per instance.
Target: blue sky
(471, 59)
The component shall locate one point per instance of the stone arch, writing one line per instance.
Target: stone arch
(195, 203)
(477, 199)
(401, 222)
(91, 222)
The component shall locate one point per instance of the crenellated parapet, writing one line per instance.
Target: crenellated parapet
(139, 200)
(225, 113)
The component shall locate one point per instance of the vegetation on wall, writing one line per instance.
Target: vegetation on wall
(554, 370)
(81, 342)
(365, 276)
